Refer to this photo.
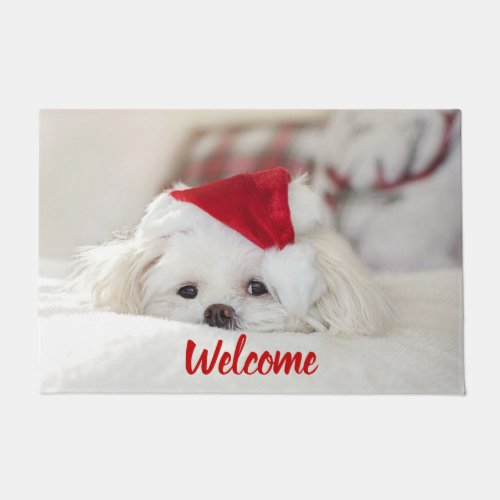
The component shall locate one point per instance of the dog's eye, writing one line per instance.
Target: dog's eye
(188, 292)
(256, 288)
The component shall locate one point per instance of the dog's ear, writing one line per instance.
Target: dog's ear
(112, 273)
(352, 301)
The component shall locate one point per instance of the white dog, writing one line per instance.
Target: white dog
(183, 263)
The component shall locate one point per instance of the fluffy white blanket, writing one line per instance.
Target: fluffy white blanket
(84, 350)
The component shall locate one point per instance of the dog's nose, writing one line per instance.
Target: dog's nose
(219, 315)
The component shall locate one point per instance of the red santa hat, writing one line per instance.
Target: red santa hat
(254, 204)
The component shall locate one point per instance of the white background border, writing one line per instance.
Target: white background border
(254, 54)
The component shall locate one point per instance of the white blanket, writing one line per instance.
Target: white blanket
(83, 350)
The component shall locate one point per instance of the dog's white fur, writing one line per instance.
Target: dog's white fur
(176, 243)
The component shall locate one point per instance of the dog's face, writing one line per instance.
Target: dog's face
(182, 264)
(209, 274)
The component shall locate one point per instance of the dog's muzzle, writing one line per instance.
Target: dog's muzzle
(220, 315)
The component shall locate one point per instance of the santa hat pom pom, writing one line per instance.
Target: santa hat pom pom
(293, 276)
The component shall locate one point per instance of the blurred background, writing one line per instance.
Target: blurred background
(390, 181)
